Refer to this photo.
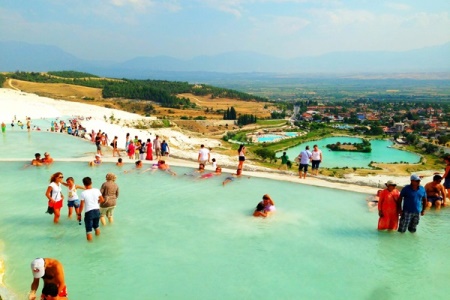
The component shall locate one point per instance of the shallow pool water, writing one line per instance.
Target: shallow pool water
(183, 238)
(381, 152)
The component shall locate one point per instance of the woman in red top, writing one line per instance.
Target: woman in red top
(149, 150)
(389, 207)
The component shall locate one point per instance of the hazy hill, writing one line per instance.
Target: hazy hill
(31, 57)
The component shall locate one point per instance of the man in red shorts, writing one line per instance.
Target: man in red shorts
(52, 272)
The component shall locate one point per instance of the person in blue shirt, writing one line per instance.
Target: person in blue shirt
(414, 199)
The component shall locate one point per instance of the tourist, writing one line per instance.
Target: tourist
(435, 193)
(130, 150)
(54, 195)
(203, 155)
(138, 165)
(165, 151)
(241, 152)
(93, 135)
(218, 171)
(138, 149)
(265, 207)
(98, 140)
(119, 162)
(305, 158)
(97, 161)
(110, 192)
(115, 148)
(52, 272)
(316, 159)
(232, 177)
(163, 166)
(47, 159)
(37, 160)
(142, 150)
(284, 161)
(157, 147)
(90, 199)
(414, 198)
(3, 127)
(127, 140)
(50, 292)
(72, 200)
(149, 147)
(446, 175)
(28, 124)
(388, 207)
(201, 168)
(214, 163)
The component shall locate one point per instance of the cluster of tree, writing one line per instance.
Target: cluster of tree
(364, 146)
(265, 153)
(246, 119)
(277, 115)
(369, 130)
(71, 74)
(217, 92)
(230, 114)
(161, 91)
(2, 79)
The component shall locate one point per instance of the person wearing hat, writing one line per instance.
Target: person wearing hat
(414, 199)
(388, 207)
(52, 272)
(435, 192)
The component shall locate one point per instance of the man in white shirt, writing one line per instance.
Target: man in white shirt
(203, 155)
(304, 157)
(90, 199)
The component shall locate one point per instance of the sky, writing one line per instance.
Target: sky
(118, 30)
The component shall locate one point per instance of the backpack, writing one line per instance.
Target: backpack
(144, 147)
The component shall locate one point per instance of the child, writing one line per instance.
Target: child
(131, 149)
(72, 199)
(214, 164)
(90, 199)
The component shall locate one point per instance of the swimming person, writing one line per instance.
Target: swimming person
(37, 160)
(47, 159)
(209, 175)
(51, 271)
(110, 192)
(265, 207)
(119, 162)
(90, 199)
(163, 166)
(414, 199)
(389, 207)
(232, 177)
(97, 161)
(435, 192)
(54, 195)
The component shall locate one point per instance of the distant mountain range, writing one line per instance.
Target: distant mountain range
(22, 56)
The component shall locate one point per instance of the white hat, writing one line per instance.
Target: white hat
(98, 155)
(38, 267)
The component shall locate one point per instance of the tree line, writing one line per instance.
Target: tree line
(160, 91)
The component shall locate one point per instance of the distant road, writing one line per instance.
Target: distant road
(11, 86)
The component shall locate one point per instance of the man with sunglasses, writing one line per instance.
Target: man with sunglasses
(414, 199)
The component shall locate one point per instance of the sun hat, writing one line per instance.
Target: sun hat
(38, 267)
(390, 182)
(415, 177)
(97, 155)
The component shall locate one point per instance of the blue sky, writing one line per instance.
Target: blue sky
(123, 29)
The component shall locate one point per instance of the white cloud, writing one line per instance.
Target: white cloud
(397, 6)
